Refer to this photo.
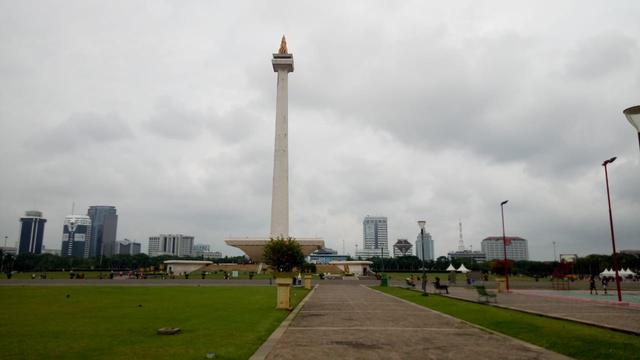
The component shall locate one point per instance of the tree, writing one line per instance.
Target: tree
(283, 255)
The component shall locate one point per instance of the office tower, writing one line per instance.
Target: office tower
(126, 247)
(31, 232)
(171, 244)
(428, 247)
(104, 225)
(374, 236)
(76, 233)
(517, 248)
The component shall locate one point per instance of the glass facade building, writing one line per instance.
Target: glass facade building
(31, 232)
(104, 225)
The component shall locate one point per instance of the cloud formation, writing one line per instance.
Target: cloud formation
(408, 110)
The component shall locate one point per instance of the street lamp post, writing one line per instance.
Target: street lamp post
(613, 240)
(633, 115)
(422, 223)
(504, 246)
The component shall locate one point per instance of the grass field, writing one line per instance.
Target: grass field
(121, 322)
(569, 338)
(244, 275)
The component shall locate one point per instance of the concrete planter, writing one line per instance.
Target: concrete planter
(284, 292)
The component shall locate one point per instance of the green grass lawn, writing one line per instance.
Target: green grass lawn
(101, 322)
(575, 340)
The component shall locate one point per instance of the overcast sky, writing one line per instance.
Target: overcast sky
(410, 110)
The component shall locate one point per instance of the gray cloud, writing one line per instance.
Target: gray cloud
(81, 130)
(406, 110)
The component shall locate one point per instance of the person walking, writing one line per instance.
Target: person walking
(592, 285)
(605, 282)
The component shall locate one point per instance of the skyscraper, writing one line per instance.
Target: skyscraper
(31, 232)
(104, 225)
(76, 233)
(428, 247)
(374, 233)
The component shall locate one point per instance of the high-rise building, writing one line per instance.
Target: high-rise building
(517, 248)
(126, 247)
(31, 232)
(402, 247)
(428, 247)
(171, 244)
(104, 225)
(374, 234)
(76, 233)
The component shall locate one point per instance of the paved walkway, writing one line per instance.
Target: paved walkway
(355, 322)
(563, 305)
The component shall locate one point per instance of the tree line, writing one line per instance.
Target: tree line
(591, 264)
(28, 262)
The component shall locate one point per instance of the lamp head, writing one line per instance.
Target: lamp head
(607, 162)
(504, 202)
(633, 115)
(421, 224)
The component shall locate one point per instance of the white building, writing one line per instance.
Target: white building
(171, 244)
(517, 248)
(428, 249)
(375, 239)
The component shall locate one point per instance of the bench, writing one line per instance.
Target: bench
(441, 288)
(483, 293)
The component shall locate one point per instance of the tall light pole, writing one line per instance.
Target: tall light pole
(613, 239)
(633, 115)
(504, 246)
(554, 251)
(421, 224)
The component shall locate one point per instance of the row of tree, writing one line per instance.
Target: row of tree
(592, 264)
(285, 255)
(48, 262)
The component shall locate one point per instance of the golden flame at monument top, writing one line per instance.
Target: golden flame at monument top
(283, 46)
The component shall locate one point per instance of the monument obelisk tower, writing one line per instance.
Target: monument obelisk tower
(282, 64)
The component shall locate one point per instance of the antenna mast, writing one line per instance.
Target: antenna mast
(460, 242)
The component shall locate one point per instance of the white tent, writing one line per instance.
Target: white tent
(627, 272)
(463, 269)
(607, 272)
(451, 268)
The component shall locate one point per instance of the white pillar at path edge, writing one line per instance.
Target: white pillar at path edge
(283, 65)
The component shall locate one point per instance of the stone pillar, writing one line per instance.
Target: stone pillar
(284, 293)
(307, 281)
(283, 65)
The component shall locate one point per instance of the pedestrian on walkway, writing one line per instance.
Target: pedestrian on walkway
(605, 282)
(592, 285)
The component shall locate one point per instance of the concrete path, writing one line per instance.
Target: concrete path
(355, 322)
(562, 305)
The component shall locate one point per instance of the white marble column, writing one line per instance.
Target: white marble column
(283, 65)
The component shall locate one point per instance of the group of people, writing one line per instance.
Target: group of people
(592, 284)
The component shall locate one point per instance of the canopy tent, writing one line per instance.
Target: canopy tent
(607, 272)
(463, 269)
(451, 268)
(627, 272)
